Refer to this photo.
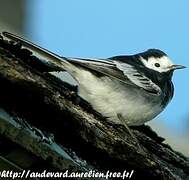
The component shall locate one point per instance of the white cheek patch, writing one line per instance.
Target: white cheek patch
(164, 62)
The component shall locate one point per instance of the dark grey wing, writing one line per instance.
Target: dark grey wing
(137, 78)
(101, 67)
(120, 70)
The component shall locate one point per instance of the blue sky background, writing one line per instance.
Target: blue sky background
(106, 28)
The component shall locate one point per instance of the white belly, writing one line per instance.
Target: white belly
(112, 98)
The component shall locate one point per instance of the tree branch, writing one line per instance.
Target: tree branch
(30, 93)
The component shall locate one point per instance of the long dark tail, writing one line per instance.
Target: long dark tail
(52, 57)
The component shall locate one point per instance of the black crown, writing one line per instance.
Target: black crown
(152, 53)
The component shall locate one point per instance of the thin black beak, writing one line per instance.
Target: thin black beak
(176, 66)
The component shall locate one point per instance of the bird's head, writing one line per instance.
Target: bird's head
(158, 61)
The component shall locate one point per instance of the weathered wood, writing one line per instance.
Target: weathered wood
(51, 105)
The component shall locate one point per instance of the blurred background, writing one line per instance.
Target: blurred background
(107, 28)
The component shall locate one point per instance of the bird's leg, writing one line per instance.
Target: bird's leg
(120, 117)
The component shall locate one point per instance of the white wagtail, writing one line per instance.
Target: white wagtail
(129, 90)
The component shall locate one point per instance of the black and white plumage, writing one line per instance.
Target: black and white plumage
(138, 86)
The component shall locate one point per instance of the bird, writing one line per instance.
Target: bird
(126, 89)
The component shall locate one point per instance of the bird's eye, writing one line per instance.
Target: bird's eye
(157, 64)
